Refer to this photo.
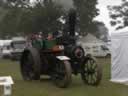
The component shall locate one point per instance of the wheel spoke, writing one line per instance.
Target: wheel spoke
(93, 78)
(92, 64)
(88, 65)
(89, 80)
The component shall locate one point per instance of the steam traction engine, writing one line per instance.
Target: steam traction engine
(59, 58)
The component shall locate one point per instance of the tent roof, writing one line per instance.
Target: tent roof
(89, 38)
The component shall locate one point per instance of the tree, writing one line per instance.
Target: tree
(119, 15)
(43, 15)
(11, 17)
(86, 10)
(101, 31)
(24, 18)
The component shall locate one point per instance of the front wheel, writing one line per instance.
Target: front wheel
(62, 75)
(91, 72)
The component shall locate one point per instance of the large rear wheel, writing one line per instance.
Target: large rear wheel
(62, 75)
(91, 72)
(30, 65)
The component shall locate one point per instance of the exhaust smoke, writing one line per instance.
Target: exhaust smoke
(67, 4)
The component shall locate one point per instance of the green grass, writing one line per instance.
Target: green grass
(77, 87)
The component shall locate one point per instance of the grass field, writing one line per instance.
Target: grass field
(77, 88)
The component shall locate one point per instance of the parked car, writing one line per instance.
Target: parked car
(6, 52)
(18, 44)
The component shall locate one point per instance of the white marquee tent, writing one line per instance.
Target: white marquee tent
(119, 49)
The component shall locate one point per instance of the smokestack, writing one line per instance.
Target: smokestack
(72, 22)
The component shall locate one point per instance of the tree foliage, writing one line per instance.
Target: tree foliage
(23, 17)
(119, 15)
(102, 31)
(87, 11)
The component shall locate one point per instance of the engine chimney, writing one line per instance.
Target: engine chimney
(71, 22)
